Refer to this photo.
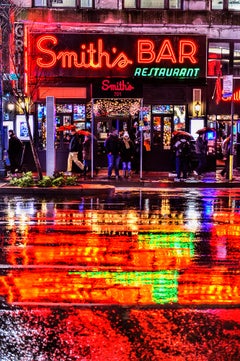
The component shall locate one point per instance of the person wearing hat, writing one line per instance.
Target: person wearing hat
(74, 149)
(127, 153)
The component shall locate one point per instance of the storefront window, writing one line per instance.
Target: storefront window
(167, 132)
(41, 114)
(218, 58)
(63, 108)
(86, 3)
(163, 109)
(179, 118)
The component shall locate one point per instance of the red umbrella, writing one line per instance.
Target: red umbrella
(62, 128)
(85, 132)
(182, 133)
(205, 130)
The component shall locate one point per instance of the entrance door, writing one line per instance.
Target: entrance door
(159, 157)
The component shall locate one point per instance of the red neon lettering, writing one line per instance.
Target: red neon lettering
(189, 45)
(89, 56)
(146, 52)
(48, 52)
(166, 52)
(121, 85)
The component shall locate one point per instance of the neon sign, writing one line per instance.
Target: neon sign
(92, 55)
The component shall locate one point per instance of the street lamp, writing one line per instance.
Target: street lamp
(197, 108)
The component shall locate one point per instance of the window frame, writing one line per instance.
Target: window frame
(165, 7)
(225, 6)
(77, 5)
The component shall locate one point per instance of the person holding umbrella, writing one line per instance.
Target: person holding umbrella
(201, 151)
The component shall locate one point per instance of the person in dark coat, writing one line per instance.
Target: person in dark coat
(74, 148)
(201, 151)
(15, 150)
(113, 148)
(87, 154)
(127, 153)
(182, 153)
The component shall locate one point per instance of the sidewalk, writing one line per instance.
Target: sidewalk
(160, 179)
(100, 184)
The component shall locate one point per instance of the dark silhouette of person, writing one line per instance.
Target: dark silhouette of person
(74, 148)
(182, 154)
(201, 151)
(15, 151)
(113, 148)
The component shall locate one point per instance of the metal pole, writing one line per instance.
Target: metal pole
(141, 140)
(231, 141)
(2, 166)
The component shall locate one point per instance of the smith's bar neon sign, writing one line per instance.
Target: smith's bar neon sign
(119, 55)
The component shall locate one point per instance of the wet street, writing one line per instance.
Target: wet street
(141, 275)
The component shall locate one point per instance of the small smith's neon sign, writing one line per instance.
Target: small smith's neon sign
(133, 56)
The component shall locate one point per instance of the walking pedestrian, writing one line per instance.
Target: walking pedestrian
(201, 152)
(135, 135)
(15, 150)
(226, 146)
(182, 155)
(113, 148)
(74, 149)
(127, 152)
(87, 154)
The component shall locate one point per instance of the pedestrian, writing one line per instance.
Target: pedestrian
(113, 148)
(201, 152)
(74, 149)
(87, 154)
(127, 152)
(135, 136)
(182, 151)
(226, 147)
(15, 152)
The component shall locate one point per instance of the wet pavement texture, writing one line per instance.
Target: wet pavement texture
(137, 275)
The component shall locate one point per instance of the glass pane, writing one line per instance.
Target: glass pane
(218, 58)
(156, 130)
(40, 2)
(167, 132)
(86, 4)
(63, 3)
(146, 126)
(152, 4)
(163, 109)
(174, 4)
(64, 108)
(217, 4)
(41, 114)
(233, 5)
(236, 49)
(179, 118)
(131, 4)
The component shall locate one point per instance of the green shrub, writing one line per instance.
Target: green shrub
(71, 181)
(58, 180)
(26, 180)
(46, 181)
